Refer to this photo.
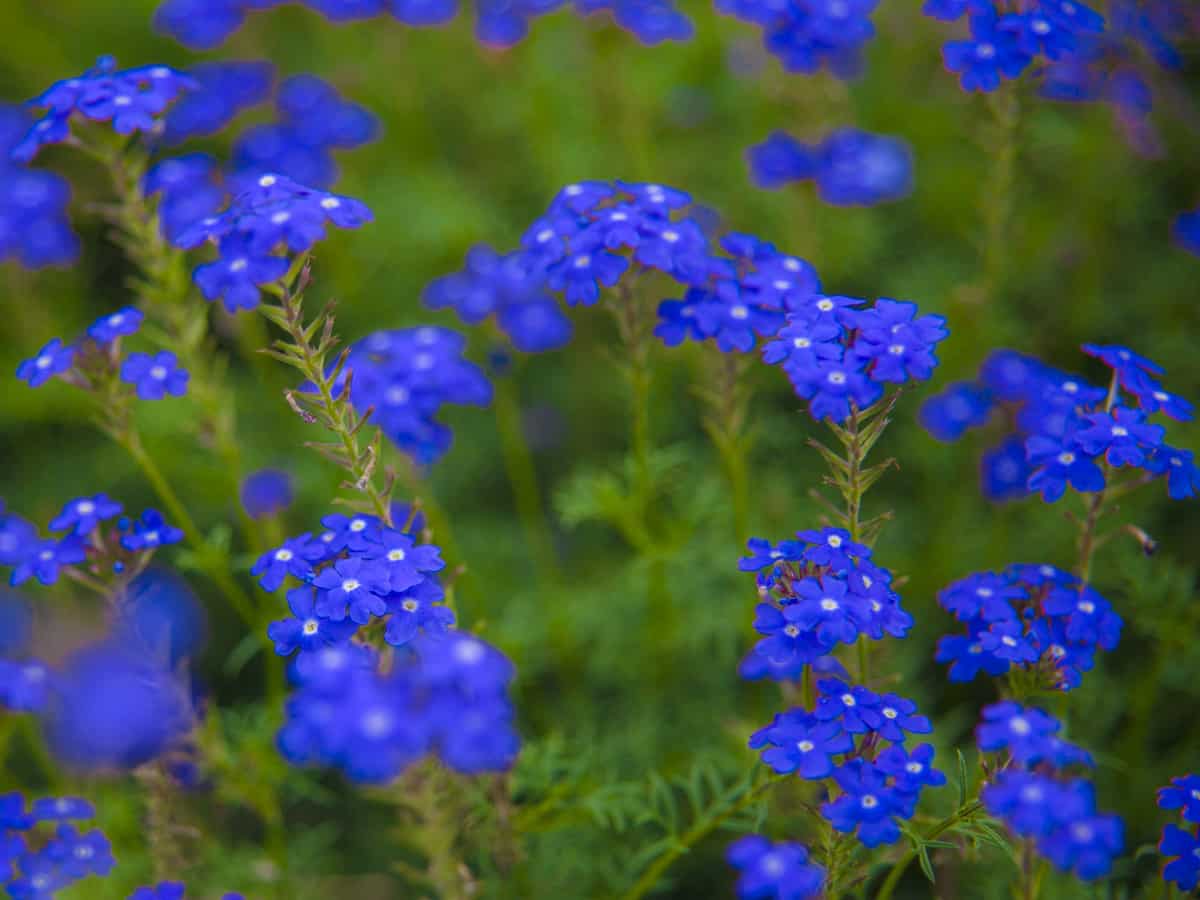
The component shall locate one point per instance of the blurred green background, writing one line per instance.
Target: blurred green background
(475, 144)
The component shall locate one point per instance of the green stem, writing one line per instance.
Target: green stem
(735, 800)
(728, 401)
(1095, 508)
(522, 476)
(436, 834)
(166, 855)
(998, 201)
(214, 564)
(889, 885)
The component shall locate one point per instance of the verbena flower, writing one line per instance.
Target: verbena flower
(40, 865)
(406, 376)
(447, 695)
(220, 92)
(1183, 794)
(110, 327)
(1076, 434)
(155, 376)
(773, 871)
(960, 406)
(188, 192)
(810, 35)
(34, 228)
(81, 515)
(275, 213)
(850, 167)
(1181, 848)
(53, 359)
(131, 100)
(1027, 735)
(149, 532)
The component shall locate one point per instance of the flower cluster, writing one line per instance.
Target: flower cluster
(1183, 843)
(83, 543)
(849, 167)
(313, 121)
(1036, 618)
(356, 572)
(203, 24)
(37, 864)
(94, 362)
(819, 591)
(33, 205)
(857, 738)
(445, 694)
(774, 871)
(275, 214)
(510, 288)
(1073, 433)
(1033, 798)
(810, 35)
(841, 357)
(406, 376)
(131, 100)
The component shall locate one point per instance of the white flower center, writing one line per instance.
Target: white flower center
(869, 801)
(1019, 725)
(43, 362)
(158, 372)
(837, 378)
(331, 203)
(828, 604)
(670, 236)
(791, 630)
(825, 305)
(83, 851)
(311, 626)
(1086, 606)
(914, 768)
(792, 265)
(1040, 26)
(781, 284)
(267, 181)
(544, 235)
(739, 311)
(848, 700)
(1066, 457)
(239, 264)
(805, 746)
(396, 555)
(358, 525)
(834, 541)
(985, 51)
(583, 261)
(801, 343)
(280, 217)
(284, 554)
(573, 190)
(376, 723)
(1120, 431)
(410, 605)
(1070, 387)
(896, 349)
(85, 507)
(122, 100)
(350, 585)
(1008, 641)
(889, 713)
(469, 652)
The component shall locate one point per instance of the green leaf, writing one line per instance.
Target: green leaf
(962, 778)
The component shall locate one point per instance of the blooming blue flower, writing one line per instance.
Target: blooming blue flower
(1004, 471)
(162, 615)
(911, 770)
(992, 53)
(132, 100)
(780, 160)
(121, 323)
(33, 204)
(1027, 734)
(868, 805)
(850, 167)
(42, 559)
(797, 741)
(24, 686)
(1183, 794)
(294, 558)
(1034, 804)
(53, 359)
(200, 24)
(1186, 231)
(155, 376)
(352, 586)
(150, 532)
(1087, 847)
(773, 871)
(1182, 850)
(81, 515)
(306, 630)
(1058, 462)
(855, 707)
(810, 35)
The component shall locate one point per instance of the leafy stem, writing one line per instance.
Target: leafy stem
(728, 401)
(308, 350)
(963, 813)
(737, 798)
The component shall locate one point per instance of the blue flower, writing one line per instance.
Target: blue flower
(1121, 435)
(111, 707)
(1183, 794)
(1004, 471)
(1034, 804)
(155, 376)
(33, 204)
(824, 606)
(858, 168)
(150, 532)
(855, 707)
(1058, 462)
(898, 344)
(868, 805)
(773, 871)
(968, 658)
(991, 54)
(799, 742)
(1182, 850)
(121, 323)
(24, 686)
(200, 24)
(1186, 231)
(189, 192)
(61, 809)
(132, 100)
(414, 611)
(352, 586)
(53, 359)
(406, 564)
(1087, 847)
(222, 90)
(833, 547)
(780, 160)
(1183, 477)
(42, 559)
(235, 277)
(162, 615)
(306, 630)
(911, 770)
(320, 117)
(295, 558)
(897, 718)
(266, 492)
(81, 515)
(1028, 734)
(959, 406)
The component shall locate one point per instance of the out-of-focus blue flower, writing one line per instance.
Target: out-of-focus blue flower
(149, 532)
(155, 376)
(958, 407)
(809, 35)
(161, 614)
(222, 90)
(122, 323)
(993, 53)
(111, 707)
(850, 167)
(773, 871)
(33, 205)
(1182, 850)
(53, 359)
(16, 624)
(266, 492)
